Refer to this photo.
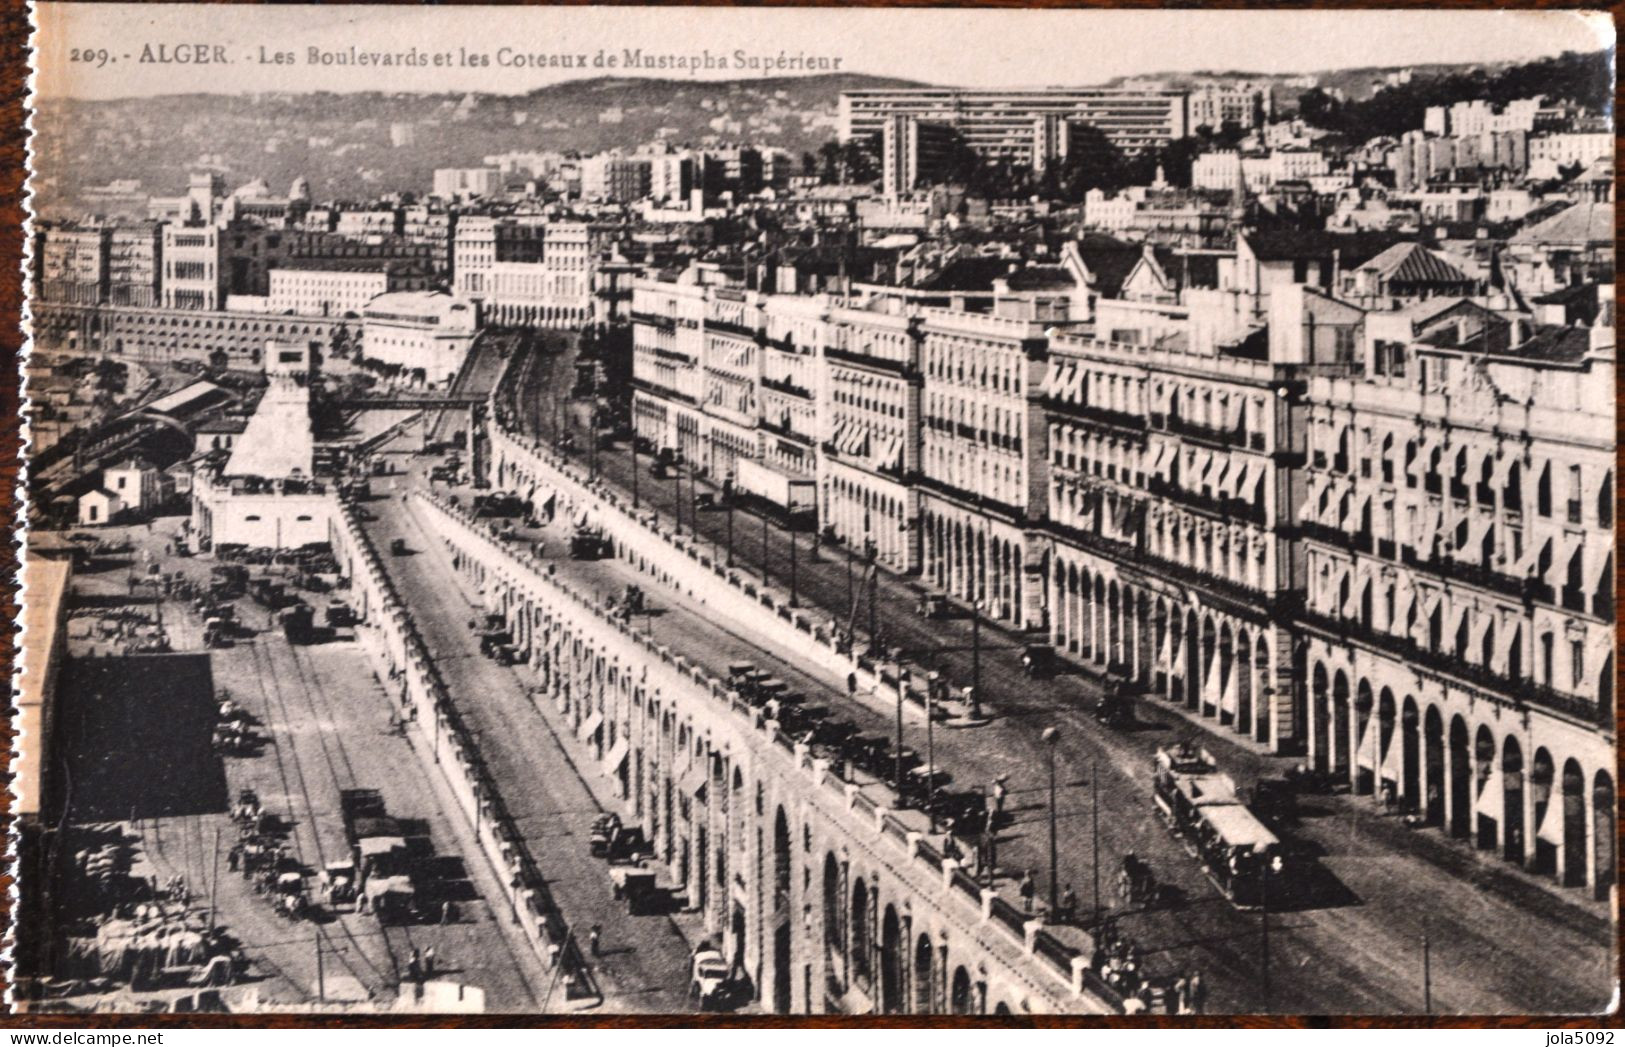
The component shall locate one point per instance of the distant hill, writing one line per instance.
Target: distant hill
(342, 142)
(1361, 84)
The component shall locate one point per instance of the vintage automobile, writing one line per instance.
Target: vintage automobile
(1038, 660)
(708, 982)
(1116, 707)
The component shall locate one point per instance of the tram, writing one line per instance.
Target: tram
(1204, 811)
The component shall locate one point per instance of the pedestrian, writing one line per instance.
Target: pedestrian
(428, 962)
(447, 913)
(1198, 993)
(998, 795)
(1069, 905)
(414, 968)
(594, 935)
(851, 684)
(1027, 890)
(1177, 994)
(234, 857)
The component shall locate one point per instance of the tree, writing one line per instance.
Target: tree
(1317, 108)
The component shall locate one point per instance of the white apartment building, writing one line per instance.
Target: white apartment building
(420, 330)
(462, 183)
(1549, 153)
(979, 477)
(192, 275)
(1459, 555)
(326, 291)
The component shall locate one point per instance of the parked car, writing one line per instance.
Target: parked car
(708, 978)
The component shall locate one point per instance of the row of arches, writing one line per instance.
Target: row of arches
(875, 955)
(809, 918)
(860, 509)
(971, 560)
(543, 316)
(1486, 783)
(1202, 658)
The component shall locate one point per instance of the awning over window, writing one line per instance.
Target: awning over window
(616, 757)
(590, 726)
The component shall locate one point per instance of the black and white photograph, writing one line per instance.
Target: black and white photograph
(999, 513)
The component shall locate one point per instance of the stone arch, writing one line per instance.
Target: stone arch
(1320, 694)
(1410, 755)
(835, 957)
(891, 962)
(1484, 758)
(1541, 784)
(1575, 829)
(783, 947)
(961, 994)
(1387, 722)
(1340, 725)
(1207, 671)
(925, 981)
(1602, 834)
(862, 940)
(1512, 796)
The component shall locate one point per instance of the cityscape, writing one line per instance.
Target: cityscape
(832, 544)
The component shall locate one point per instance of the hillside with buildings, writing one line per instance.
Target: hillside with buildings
(357, 146)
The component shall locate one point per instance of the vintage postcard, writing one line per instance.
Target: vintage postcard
(602, 511)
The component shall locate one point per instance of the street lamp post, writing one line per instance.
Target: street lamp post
(1094, 829)
(1271, 869)
(976, 659)
(869, 561)
(931, 683)
(794, 602)
(635, 504)
(765, 577)
(728, 502)
(851, 608)
(1051, 737)
(902, 689)
(677, 496)
(1427, 971)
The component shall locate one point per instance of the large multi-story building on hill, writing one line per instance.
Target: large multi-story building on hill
(1010, 125)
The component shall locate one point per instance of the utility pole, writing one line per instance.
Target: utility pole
(1052, 736)
(214, 878)
(321, 977)
(794, 602)
(902, 688)
(634, 467)
(766, 578)
(1427, 971)
(930, 754)
(976, 651)
(1094, 828)
(851, 604)
(874, 581)
(677, 496)
(728, 504)
(1264, 916)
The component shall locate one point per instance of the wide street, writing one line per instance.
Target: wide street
(1499, 940)
(549, 785)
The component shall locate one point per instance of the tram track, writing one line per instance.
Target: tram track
(272, 693)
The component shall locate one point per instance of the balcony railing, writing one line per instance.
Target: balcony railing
(1228, 508)
(789, 388)
(898, 367)
(1104, 415)
(665, 323)
(1525, 589)
(1236, 437)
